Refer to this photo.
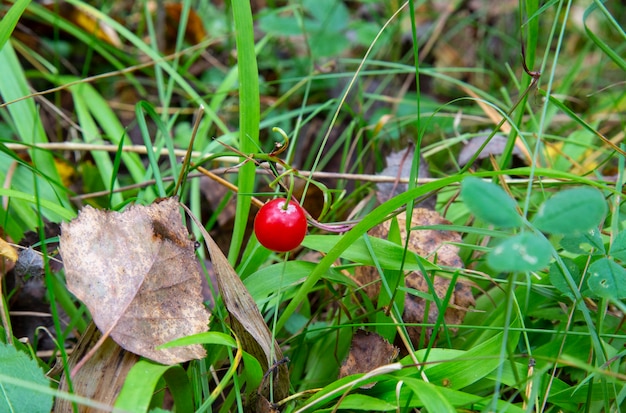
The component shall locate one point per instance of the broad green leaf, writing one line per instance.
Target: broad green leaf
(15, 398)
(578, 243)
(490, 203)
(618, 247)
(572, 211)
(141, 383)
(269, 280)
(209, 337)
(557, 278)
(388, 254)
(249, 117)
(524, 252)
(362, 402)
(462, 370)
(429, 394)
(252, 372)
(607, 279)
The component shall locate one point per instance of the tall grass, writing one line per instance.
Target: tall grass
(423, 74)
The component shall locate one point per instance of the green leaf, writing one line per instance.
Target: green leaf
(10, 19)
(252, 372)
(618, 247)
(209, 337)
(141, 382)
(572, 211)
(490, 203)
(388, 254)
(576, 243)
(268, 281)
(15, 398)
(524, 252)
(557, 278)
(607, 279)
(362, 402)
(249, 117)
(462, 370)
(429, 394)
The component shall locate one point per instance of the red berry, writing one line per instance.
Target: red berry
(280, 228)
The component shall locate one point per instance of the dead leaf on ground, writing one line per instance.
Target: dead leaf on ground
(495, 146)
(435, 245)
(368, 351)
(399, 165)
(29, 264)
(101, 378)
(137, 273)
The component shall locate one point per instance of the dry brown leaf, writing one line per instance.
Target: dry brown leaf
(399, 165)
(496, 118)
(137, 273)
(101, 378)
(495, 146)
(429, 244)
(368, 351)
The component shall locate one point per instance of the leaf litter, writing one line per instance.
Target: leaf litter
(434, 244)
(368, 351)
(137, 273)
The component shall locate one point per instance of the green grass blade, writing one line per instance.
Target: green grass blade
(141, 384)
(10, 19)
(156, 57)
(613, 55)
(28, 128)
(249, 117)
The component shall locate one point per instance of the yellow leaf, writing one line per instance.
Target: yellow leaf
(7, 250)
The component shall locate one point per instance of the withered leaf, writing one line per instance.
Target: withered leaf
(368, 351)
(495, 147)
(101, 378)
(433, 245)
(137, 273)
(399, 165)
(29, 264)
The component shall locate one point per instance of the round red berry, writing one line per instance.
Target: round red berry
(279, 226)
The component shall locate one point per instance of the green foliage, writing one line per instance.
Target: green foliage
(571, 211)
(490, 203)
(607, 279)
(524, 252)
(142, 381)
(18, 380)
(544, 258)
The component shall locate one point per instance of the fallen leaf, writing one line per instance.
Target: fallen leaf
(194, 29)
(368, 351)
(435, 245)
(494, 147)
(101, 378)
(399, 165)
(29, 264)
(137, 273)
